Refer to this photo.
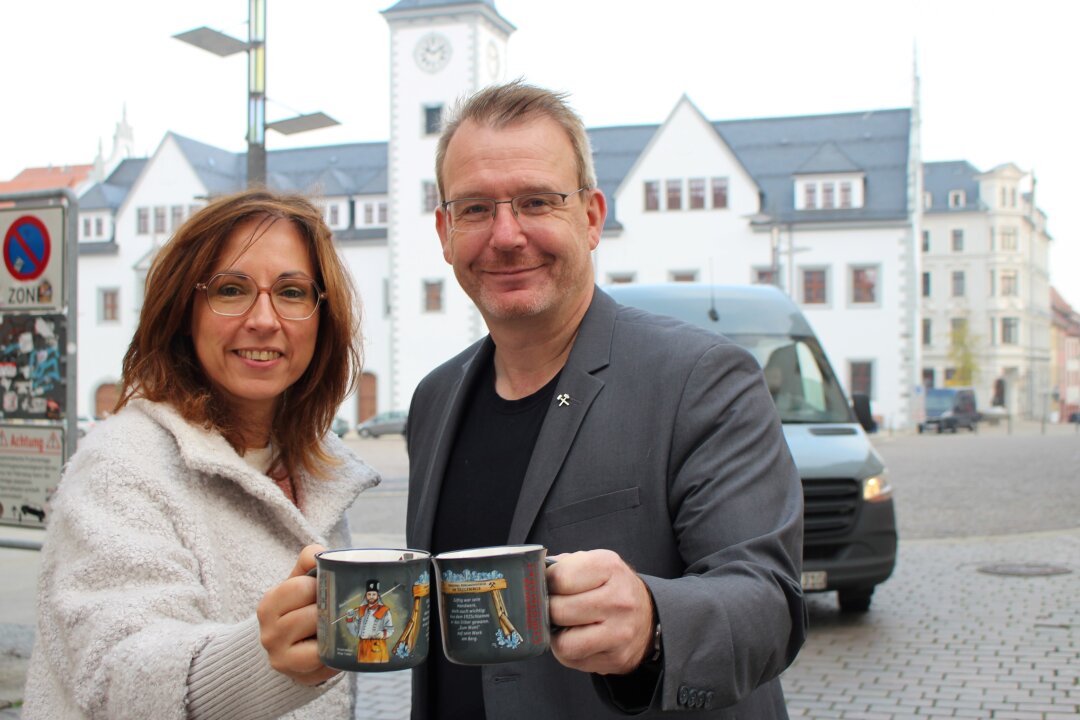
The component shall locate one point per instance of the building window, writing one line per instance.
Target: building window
(864, 285)
(763, 276)
(697, 193)
(845, 194)
(957, 198)
(827, 195)
(1010, 331)
(926, 241)
(86, 227)
(683, 276)
(810, 196)
(620, 278)
(652, 195)
(927, 200)
(862, 377)
(957, 240)
(1009, 283)
(927, 334)
(177, 216)
(369, 213)
(109, 305)
(950, 373)
(382, 214)
(99, 227)
(433, 296)
(142, 221)
(674, 194)
(814, 286)
(432, 119)
(958, 283)
(431, 196)
(926, 284)
(719, 193)
(928, 377)
(1008, 238)
(159, 219)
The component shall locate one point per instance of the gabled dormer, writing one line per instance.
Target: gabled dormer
(829, 180)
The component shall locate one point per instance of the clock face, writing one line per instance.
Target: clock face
(432, 52)
(493, 60)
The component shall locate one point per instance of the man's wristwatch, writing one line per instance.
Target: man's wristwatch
(657, 644)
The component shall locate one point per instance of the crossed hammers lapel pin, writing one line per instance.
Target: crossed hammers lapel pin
(564, 400)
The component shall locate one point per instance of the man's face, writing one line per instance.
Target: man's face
(372, 597)
(508, 271)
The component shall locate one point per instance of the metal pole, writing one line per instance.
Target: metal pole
(256, 134)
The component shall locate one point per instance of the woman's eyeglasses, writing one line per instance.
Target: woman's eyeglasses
(233, 294)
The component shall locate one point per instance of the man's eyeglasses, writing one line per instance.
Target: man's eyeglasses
(473, 214)
(233, 294)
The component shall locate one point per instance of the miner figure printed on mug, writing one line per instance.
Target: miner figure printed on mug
(374, 612)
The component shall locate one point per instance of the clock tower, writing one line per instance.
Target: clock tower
(440, 51)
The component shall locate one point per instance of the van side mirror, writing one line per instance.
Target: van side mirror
(861, 404)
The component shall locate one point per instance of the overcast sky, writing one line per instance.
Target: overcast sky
(998, 78)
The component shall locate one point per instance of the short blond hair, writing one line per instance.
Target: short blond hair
(501, 105)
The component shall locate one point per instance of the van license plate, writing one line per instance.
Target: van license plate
(815, 580)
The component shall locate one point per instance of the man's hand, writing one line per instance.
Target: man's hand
(605, 610)
(288, 619)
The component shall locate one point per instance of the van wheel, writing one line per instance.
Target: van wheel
(855, 600)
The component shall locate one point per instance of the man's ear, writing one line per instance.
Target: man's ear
(596, 211)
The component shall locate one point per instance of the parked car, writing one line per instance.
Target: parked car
(849, 536)
(384, 423)
(340, 426)
(949, 409)
(84, 424)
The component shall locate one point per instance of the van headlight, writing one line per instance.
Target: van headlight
(876, 488)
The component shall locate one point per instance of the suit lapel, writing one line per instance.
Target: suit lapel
(444, 441)
(575, 392)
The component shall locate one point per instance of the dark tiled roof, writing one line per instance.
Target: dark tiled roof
(774, 150)
(109, 195)
(941, 177)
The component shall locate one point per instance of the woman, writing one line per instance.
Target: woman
(170, 585)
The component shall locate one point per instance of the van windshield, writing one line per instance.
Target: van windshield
(799, 377)
(939, 401)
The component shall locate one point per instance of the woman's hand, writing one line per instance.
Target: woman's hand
(287, 624)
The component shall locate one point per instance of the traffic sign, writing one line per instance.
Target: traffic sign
(27, 247)
(33, 274)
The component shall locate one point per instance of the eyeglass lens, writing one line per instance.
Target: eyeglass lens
(294, 298)
(479, 213)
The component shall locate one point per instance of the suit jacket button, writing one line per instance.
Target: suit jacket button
(684, 695)
(708, 699)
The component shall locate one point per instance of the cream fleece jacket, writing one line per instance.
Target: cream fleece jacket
(161, 542)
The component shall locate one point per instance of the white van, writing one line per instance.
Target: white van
(849, 536)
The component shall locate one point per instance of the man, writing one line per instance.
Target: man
(372, 623)
(645, 454)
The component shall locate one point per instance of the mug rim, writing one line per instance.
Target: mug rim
(491, 551)
(374, 556)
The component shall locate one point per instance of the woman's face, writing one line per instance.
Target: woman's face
(251, 359)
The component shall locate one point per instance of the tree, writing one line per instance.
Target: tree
(963, 345)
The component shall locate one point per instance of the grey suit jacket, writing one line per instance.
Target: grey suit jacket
(670, 453)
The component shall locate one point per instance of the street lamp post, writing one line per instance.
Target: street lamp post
(224, 45)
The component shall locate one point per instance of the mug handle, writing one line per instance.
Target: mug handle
(548, 562)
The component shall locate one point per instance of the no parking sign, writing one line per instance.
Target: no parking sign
(33, 241)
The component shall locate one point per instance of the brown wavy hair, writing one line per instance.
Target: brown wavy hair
(160, 364)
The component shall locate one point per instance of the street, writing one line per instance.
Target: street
(980, 619)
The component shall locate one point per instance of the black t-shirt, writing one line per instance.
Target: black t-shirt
(476, 506)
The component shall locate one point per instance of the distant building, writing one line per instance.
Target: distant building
(985, 285)
(1065, 369)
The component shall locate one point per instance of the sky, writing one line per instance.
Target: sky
(997, 78)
